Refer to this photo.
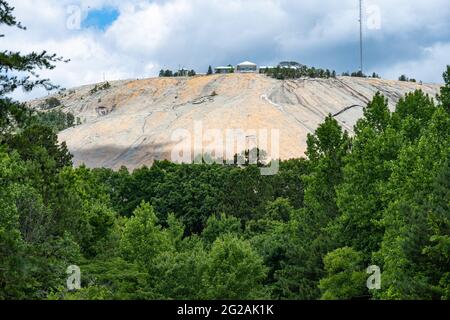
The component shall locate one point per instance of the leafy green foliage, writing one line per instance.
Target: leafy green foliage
(444, 97)
(179, 73)
(282, 73)
(233, 271)
(142, 238)
(50, 103)
(100, 87)
(55, 119)
(218, 226)
(345, 277)
(224, 232)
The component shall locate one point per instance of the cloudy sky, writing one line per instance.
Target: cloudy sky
(122, 39)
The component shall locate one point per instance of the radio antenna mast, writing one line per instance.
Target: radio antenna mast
(361, 36)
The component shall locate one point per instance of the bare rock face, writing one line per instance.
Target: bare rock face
(133, 123)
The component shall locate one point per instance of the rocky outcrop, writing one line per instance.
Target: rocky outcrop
(132, 123)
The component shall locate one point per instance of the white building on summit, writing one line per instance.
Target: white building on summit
(246, 66)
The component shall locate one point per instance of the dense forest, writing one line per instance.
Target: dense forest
(197, 231)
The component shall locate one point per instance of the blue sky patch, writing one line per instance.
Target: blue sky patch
(100, 18)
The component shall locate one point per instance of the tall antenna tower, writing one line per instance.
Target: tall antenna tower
(361, 35)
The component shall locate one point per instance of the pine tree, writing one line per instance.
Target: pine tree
(444, 96)
(19, 71)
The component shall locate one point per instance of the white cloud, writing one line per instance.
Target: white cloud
(428, 68)
(149, 35)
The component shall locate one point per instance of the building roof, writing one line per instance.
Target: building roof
(247, 63)
(223, 67)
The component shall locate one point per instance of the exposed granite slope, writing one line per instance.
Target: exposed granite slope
(132, 122)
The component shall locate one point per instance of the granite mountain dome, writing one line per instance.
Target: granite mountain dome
(130, 122)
